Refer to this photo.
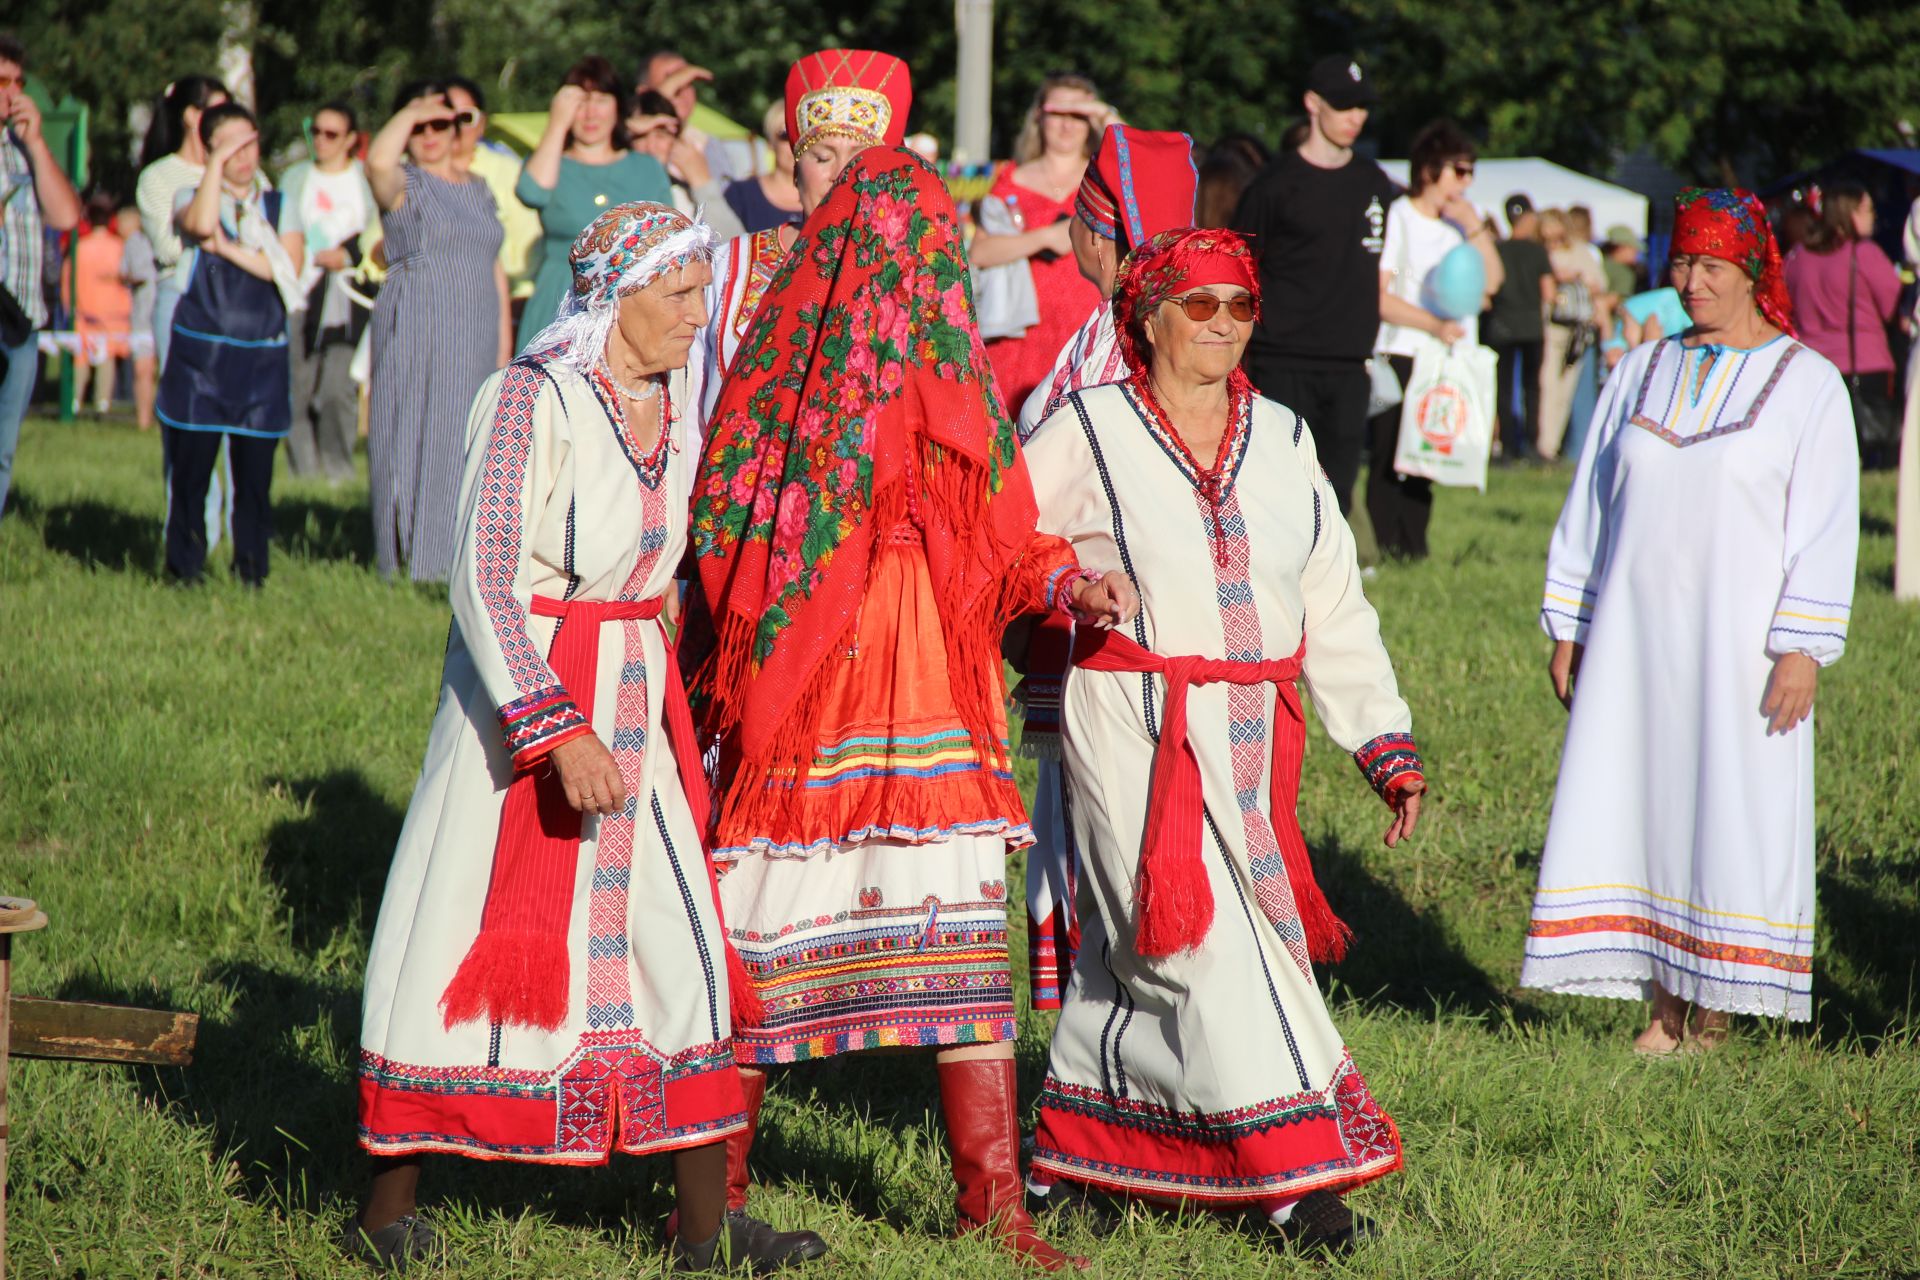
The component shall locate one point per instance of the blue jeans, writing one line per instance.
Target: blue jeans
(16, 389)
(166, 298)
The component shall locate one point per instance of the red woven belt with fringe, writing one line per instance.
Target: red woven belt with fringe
(518, 972)
(1173, 908)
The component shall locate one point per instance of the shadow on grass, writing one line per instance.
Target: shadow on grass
(272, 1080)
(1873, 526)
(1871, 927)
(1399, 955)
(96, 534)
(331, 862)
(313, 527)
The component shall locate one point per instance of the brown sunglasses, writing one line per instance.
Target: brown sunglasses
(1205, 306)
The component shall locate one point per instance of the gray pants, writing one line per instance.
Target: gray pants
(326, 412)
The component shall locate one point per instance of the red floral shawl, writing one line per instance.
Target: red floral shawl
(861, 398)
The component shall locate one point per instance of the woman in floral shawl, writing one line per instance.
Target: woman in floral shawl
(865, 527)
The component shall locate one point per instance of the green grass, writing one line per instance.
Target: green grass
(203, 790)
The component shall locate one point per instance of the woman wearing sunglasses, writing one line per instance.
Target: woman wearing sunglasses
(1194, 1061)
(1423, 226)
(441, 326)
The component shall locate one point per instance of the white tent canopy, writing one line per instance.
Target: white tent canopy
(1549, 186)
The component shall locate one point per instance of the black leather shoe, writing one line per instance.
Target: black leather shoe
(393, 1247)
(1322, 1222)
(745, 1245)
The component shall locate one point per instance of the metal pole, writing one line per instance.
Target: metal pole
(972, 136)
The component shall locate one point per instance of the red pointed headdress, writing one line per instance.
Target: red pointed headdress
(848, 93)
(1139, 184)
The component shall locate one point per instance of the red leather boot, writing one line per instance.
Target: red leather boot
(979, 1101)
(754, 1084)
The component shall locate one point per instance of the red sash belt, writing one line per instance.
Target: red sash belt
(1174, 902)
(517, 971)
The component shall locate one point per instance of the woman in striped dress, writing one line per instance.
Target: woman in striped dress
(442, 325)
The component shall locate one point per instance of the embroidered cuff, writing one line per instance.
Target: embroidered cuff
(1389, 762)
(1566, 611)
(539, 722)
(1059, 592)
(1817, 628)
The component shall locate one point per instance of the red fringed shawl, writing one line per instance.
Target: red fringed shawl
(863, 371)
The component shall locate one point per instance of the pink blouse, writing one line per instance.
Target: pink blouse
(1817, 282)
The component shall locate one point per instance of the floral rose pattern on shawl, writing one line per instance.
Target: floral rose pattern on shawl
(862, 385)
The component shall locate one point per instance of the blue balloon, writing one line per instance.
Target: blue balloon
(1456, 284)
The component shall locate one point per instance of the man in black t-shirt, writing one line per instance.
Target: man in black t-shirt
(1318, 219)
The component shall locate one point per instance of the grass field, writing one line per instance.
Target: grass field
(203, 790)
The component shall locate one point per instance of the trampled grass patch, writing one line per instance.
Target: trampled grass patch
(203, 789)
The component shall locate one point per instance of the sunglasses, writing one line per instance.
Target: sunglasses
(329, 134)
(1463, 170)
(1205, 306)
(12, 82)
(463, 120)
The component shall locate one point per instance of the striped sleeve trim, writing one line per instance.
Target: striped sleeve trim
(539, 722)
(1566, 611)
(1817, 628)
(1389, 762)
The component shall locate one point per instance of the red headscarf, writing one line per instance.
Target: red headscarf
(1731, 223)
(1168, 264)
(860, 400)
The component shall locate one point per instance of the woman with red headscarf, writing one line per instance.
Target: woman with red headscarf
(1699, 578)
(1194, 1059)
(865, 529)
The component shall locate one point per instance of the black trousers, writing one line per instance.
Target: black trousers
(1334, 403)
(1519, 437)
(190, 461)
(1399, 506)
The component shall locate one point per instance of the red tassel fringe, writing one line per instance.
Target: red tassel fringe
(1173, 903)
(749, 1010)
(1327, 934)
(516, 978)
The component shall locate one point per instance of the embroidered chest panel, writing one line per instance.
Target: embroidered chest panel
(1683, 408)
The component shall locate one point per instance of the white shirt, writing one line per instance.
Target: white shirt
(1414, 246)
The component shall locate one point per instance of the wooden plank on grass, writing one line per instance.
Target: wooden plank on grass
(76, 1031)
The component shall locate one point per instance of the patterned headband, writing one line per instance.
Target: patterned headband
(623, 250)
(630, 246)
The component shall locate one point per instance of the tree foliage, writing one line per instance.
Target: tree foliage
(1716, 92)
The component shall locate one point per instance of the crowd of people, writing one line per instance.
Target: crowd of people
(741, 516)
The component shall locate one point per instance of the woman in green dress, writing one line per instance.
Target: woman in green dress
(582, 167)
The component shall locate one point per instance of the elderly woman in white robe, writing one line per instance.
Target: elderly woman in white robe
(548, 980)
(1195, 1060)
(1700, 577)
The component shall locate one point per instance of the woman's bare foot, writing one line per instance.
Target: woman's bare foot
(1668, 1029)
(1706, 1030)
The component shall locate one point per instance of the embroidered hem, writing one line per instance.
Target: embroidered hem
(615, 1093)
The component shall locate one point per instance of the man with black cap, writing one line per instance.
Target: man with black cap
(1318, 219)
(1516, 326)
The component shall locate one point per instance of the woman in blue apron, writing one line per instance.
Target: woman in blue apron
(227, 372)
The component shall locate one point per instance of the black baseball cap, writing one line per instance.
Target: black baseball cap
(1341, 83)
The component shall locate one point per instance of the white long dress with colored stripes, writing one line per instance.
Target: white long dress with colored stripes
(1711, 527)
(1214, 1076)
(555, 503)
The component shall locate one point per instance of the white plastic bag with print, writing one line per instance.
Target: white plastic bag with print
(1446, 417)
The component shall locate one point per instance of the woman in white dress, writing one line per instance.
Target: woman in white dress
(1194, 1060)
(1699, 578)
(548, 979)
